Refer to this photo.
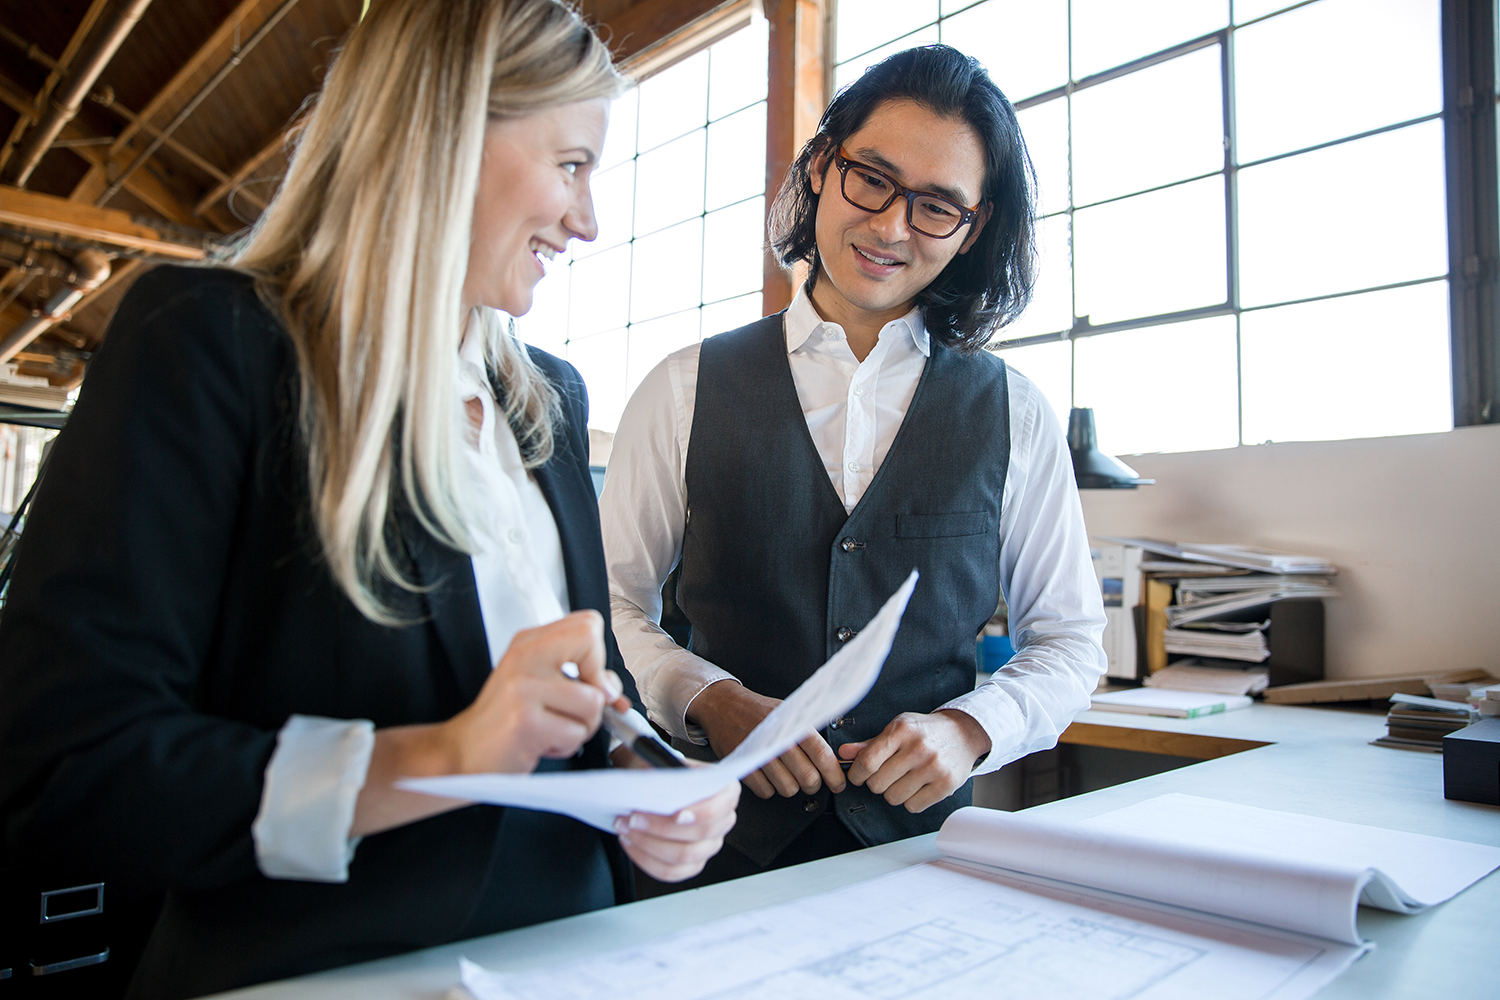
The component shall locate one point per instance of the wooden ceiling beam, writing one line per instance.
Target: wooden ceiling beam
(243, 171)
(50, 214)
(652, 22)
(142, 184)
(222, 34)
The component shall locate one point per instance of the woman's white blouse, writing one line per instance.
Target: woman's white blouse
(318, 768)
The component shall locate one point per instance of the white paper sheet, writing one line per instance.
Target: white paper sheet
(939, 931)
(597, 796)
(1298, 873)
(1416, 871)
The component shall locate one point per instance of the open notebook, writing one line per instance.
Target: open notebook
(1173, 898)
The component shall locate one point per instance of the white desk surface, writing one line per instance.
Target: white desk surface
(1319, 764)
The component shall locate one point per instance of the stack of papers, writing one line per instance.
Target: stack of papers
(1187, 675)
(1228, 640)
(1239, 556)
(1196, 601)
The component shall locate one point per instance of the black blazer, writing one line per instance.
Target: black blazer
(169, 611)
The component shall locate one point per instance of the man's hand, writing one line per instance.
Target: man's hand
(727, 711)
(918, 760)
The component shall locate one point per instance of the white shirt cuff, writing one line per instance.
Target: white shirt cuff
(307, 807)
(1001, 719)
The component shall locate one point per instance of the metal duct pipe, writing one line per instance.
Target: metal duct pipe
(91, 271)
(69, 98)
(36, 260)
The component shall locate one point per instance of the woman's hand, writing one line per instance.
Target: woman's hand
(528, 709)
(673, 848)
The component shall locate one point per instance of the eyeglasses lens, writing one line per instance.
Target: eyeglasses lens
(927, 214)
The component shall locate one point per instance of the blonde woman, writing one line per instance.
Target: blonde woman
(319, 522)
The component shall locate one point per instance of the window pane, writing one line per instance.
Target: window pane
(614, 196)
(1249, 10)
(1157, 125)
(667, 271)
(1051, 308)
(733, 257)
(1050, 366)
(619, 141)
(1045, 128)
(600, 359)
(1335, 68)
(850, 71)
(737, 69)
(1359, 366)
(737, 157)
(600, 296)
(669, 183)
(1114, 373)
(1359, 214)
(546, 324)
(650, 342)
(731, 314)
(1023, 43)
(1151, 254)
(864, 24)
(674, 101)
(1107, 33)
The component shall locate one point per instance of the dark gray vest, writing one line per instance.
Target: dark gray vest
(776, 576)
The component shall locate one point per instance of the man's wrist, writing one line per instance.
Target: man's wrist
(972, 734)
(703, 707)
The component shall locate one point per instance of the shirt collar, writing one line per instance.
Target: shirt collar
(802, 321)
(469, 374)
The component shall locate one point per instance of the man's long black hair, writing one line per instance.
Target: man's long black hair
(984, 289)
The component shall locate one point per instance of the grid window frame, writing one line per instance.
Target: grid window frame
(1471, 192)
(578, 343)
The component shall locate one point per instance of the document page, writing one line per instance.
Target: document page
(939, 931)
(1298, 873)
(1303, 897)
(1412, 871)
(597, 796)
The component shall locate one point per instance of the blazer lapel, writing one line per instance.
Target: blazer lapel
(453, 605)
(576, 516)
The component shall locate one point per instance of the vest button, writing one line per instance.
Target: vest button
(848, 545)
(844, 634)
(837, 723)
(810, 805)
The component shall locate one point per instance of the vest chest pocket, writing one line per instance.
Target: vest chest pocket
(943, 525)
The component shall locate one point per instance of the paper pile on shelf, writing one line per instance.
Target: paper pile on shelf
(1188, 675)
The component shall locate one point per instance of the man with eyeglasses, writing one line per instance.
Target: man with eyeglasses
(799, 467)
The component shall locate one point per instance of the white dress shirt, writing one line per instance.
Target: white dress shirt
(319, 766)
(853, 410)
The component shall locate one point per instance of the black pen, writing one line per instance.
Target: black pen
(635, 732)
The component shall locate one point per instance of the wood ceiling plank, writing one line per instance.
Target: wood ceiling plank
(222, 34)
(648, 22)
(47, 213)
(244, 170)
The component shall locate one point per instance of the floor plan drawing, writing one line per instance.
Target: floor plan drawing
(941, 931)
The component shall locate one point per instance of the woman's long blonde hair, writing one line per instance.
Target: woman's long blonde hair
(363, 254)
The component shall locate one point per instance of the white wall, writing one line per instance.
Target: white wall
(1413, 523)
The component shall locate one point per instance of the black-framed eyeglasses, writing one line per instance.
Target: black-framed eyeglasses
(873, 190)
